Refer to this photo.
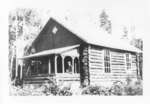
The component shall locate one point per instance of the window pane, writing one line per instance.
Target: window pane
(107, 61)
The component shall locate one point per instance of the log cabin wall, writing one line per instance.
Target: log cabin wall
(96, 65)
(134, 67)
(118, 66)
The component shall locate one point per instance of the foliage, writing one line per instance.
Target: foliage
(117, 88)
(105, 23)
(134, 89)
(24, 24)
(96, 90)
(17, 82)
(51, 88)
(125, 35)
(138, 43)
(19, 91)
(66, 91)
(130, 88)
(91, 90)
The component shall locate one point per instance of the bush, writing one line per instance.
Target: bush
(66, 91)
(50, 88)
(17, 82)
(96, 90)
(135, 89)
(91, 90)
(18, 91)
(117, 88)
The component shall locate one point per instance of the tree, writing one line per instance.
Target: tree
(125, 34)
(105, 23)
(24, 24)
(138, 43)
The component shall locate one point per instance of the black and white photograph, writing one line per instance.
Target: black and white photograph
(75, 51)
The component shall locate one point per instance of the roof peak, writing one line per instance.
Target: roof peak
(92, 34)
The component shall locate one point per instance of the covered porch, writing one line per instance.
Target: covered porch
(62, 64)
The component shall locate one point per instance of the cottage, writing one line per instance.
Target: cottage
(85, 57)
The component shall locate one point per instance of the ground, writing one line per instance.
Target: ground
(132, 88)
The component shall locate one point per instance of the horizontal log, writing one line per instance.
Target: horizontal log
(118, 64)
(96, 61)
(121, 59)
(95, 52)
(117, 56)
(118, 68)
(96, 65)
(96, 56)
(98, 68)
(116, 53)
(120, 71)
(116, 61)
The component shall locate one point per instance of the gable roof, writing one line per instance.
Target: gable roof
(91, 34)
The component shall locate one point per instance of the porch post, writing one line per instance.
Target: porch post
(21, 71)
(78, 64)
(72, 64)
(49, 66)
(63, 64)
(137, 64)
(55, 64)
(16, 67)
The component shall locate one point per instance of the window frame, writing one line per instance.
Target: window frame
(128, 61)
(107, 65)
(55, 30)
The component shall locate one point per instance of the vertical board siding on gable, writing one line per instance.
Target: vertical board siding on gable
(48, 40)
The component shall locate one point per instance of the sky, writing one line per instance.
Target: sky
(134, 14)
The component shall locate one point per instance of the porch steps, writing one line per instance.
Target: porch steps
(35, 80)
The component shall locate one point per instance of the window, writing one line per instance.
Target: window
(128, 61)
(68, 64)
(107, 61)
(76, 65)
(55, 29)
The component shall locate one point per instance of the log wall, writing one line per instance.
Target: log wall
(118, 66)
